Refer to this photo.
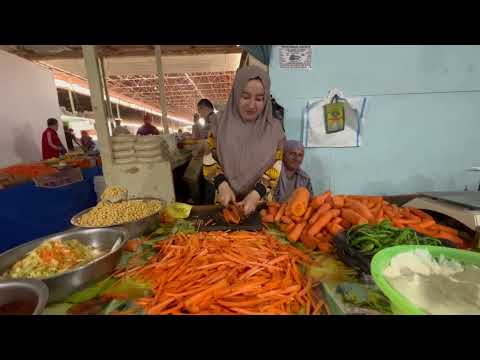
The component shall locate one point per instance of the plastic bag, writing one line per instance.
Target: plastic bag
(149, 153)
(122, 146)
(122, 139)
(151, 160)
(179, 210)
(123, 154)
(147, 146)
(128, 160)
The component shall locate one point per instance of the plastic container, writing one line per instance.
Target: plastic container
(400, 305)
(99, 186)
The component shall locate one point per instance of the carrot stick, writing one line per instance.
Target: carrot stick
(408, 221)
(353, 217)
(360, 208)
(345, 224)
(426, 224)
(321, 210)
(296, 219)
(338, 201)
(318, 201)
(238, 272)
(268, 218)
(334, 229)
(323, 221)
(453, 238)
(308, 213)
(294, 235)
(421, 214)
(280, 213)
(285, 219)
(445, 229)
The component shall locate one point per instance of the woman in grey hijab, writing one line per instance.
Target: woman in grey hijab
(244, 162)
(292, 175)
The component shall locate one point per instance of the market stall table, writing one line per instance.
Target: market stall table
(29, 212)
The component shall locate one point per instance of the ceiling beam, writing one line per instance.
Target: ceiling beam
(125, 51)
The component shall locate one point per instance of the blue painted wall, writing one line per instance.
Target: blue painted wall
(422, 122)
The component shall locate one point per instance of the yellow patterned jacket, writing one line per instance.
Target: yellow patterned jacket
(266, 185)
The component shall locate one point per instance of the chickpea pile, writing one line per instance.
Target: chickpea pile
(109, 214)
(115, 194)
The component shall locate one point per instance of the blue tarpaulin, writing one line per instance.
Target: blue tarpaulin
(28, 212)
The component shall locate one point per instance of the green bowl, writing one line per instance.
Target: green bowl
(400, 305)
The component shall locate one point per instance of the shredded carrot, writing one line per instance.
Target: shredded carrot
(224, 273)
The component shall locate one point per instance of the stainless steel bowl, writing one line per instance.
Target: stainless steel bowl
(133, 228)
(30, 291)
(61, 286)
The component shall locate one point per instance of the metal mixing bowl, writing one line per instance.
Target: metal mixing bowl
(110, 241)
(134, 228)
(28, 291)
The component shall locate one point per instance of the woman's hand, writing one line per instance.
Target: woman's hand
(226, 194)
(250, 202)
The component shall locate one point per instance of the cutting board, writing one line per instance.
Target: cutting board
(207, 212)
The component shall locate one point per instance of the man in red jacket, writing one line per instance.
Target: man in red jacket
(51, 144)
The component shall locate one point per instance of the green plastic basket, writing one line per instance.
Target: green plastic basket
(400, 305)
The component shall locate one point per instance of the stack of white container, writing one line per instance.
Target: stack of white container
(123, 147)
(129, 149)
(151, 149)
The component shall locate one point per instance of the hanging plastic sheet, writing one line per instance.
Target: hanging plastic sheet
(316, 131)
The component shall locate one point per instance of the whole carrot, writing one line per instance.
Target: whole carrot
(323, 221)
(320, 211)
(338, 201)
(298, 202)
(353, 217)
(286, 220)
(280, 213)
(360, 208)
(294, 235)
(308, 214)
(318, 201)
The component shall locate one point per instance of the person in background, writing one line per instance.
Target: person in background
(87, 142)
(292, 176)
(206, 111)
(246, 144)
(52, 147)
(147, 128)
(196, 127)
(119, 129)
(70, 138)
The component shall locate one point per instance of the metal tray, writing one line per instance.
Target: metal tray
(132, 228)
(61, 286)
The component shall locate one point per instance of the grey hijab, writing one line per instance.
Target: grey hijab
(246, 149)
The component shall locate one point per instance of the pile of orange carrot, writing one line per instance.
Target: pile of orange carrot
(315, 220)
(226, 273)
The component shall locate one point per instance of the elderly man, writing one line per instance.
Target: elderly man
(292, 176)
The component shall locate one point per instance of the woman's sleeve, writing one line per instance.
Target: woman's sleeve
(212, 171)
(267, 185)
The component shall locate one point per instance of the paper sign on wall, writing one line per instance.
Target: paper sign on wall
(295, 56)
